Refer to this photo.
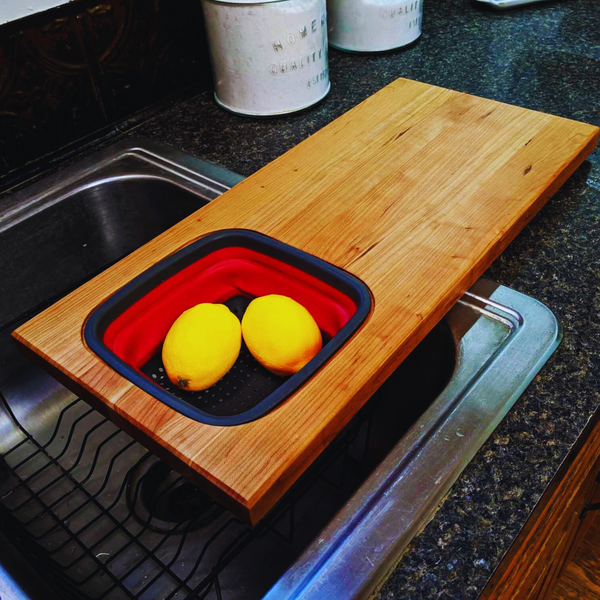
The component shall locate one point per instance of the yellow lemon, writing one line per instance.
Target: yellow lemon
(280, 333)
(202, 346)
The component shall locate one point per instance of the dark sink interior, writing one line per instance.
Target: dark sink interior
(64, 245)
(54, 251)
(411, 388)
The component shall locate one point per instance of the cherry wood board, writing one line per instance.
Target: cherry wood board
(416, 191)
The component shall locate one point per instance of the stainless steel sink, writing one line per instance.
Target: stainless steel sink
(100, 517)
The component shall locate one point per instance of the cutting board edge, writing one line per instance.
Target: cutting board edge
(551, 188)
(255, 503)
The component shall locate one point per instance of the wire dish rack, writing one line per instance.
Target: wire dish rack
(106, 519)
(99, 517)
(96, 514)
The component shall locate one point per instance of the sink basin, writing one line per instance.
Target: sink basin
(59, 233)
(101, 517)
(68, 229)
(502, 339)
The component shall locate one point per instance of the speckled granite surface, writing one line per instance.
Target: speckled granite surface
(545, 57)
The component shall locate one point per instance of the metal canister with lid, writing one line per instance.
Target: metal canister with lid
(269, 57)
(373, 25)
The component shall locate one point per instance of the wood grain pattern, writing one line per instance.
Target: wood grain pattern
(416, 191)
(573, 531)
(578, 533)
(569, 589)
(551, 535)
(581, 577)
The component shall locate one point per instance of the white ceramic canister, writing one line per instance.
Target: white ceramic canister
(373, 25)
(269, 58)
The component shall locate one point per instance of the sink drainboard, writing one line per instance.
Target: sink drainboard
(101, 517)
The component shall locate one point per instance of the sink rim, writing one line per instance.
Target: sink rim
(196, 175)
(366, 539)
(324, 565)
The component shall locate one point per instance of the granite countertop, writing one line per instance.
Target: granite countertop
(545, 57)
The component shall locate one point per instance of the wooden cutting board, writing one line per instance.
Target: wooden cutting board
(416, 191)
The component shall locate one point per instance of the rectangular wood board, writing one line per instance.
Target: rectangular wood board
(416, 191)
